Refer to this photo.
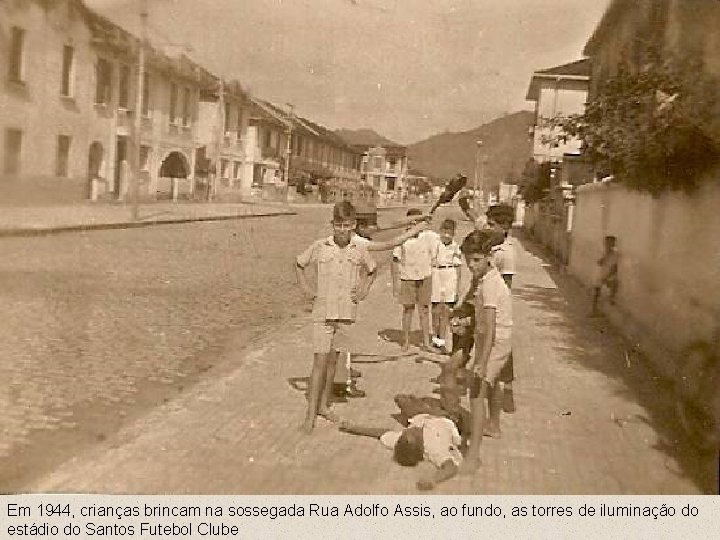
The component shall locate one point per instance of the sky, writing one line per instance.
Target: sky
(406, 68)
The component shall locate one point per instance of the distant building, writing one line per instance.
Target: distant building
(223, 125)
(384, 167)
(67, 106)
(558, 92)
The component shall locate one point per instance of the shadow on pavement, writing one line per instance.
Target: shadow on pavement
(587, 341)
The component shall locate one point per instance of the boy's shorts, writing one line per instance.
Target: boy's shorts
(499, 357)
(330, 335)
(415, 291)
(444, 285)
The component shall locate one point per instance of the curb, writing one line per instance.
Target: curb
(46, 231)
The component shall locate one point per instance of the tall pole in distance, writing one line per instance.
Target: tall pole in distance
(219, 138)
(288, 149)
(477, 158)
(135, 208)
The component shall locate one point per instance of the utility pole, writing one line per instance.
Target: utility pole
(288, 148)
(220, 136)
(136, 151)
(477, 159)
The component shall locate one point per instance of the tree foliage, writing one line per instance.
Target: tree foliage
(651, 128)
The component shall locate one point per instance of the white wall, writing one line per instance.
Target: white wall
(669, 269)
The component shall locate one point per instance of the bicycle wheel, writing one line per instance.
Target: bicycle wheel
(697, 400)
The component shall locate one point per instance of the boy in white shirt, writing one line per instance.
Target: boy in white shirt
(493, 320)
(412, 277)
(445, 279)
(500, 219)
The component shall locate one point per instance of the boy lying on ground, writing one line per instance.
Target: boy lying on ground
(432, 433)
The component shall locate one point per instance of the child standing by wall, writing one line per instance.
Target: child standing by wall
(412, 276)
(445, 279)
(345, 272)
(608, 273)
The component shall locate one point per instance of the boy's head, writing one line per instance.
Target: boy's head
(409, 447)
(477, 247)
(610, 242)
(500, 217)
(447, 231)
(344, 222)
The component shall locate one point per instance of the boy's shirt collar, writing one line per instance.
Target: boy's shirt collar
(330, 241)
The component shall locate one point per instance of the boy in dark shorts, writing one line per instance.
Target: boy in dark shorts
(412, 277)
(493, 319)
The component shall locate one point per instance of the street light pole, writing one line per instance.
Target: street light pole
(137, 150)
(288, 149)
(477, 158)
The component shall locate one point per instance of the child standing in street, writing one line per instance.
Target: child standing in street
(608, 273)
(412, 276)
(500, 219)
(445, 279)
(345, 271)
(493, 314)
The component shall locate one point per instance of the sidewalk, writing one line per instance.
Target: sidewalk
(24, 221)
(588, 419)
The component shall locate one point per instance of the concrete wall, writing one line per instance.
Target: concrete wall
(669, 268)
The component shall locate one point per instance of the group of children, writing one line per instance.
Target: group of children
(426, 272)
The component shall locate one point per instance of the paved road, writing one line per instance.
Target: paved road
(100, 326)
(590, 418)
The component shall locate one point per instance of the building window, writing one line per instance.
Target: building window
(238, 166)
(226, 125)
(67, 71)
(173, 103)
(267, 137)
(63, 156)
(377, 162)
(238, 122)
(103, 82)
(16, 67)
(146, 95)
(124, 87)
(223, 168)
(145, 158)
(186, 107)
(13, 150)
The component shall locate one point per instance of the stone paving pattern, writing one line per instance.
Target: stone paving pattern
(590, 419)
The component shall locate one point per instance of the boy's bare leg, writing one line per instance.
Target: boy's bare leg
(495, 398)
(406, 324)
(327, 387)
(424, 316)
(444, 323)
(471, 463)
(315, 389)
(437, 319)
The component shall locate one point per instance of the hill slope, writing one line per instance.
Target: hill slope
(364, 136)
(505, 143)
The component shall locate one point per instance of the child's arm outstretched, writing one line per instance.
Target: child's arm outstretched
(394, 242)
(364, 431)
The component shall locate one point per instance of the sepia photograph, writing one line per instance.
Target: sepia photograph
(360, 247)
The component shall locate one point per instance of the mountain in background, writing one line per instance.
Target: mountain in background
(363, 137)
(505, 143)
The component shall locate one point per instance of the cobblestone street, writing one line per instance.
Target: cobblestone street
(591, 418)
(99, 326)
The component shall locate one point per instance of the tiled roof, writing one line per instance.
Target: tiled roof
(579, 68)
